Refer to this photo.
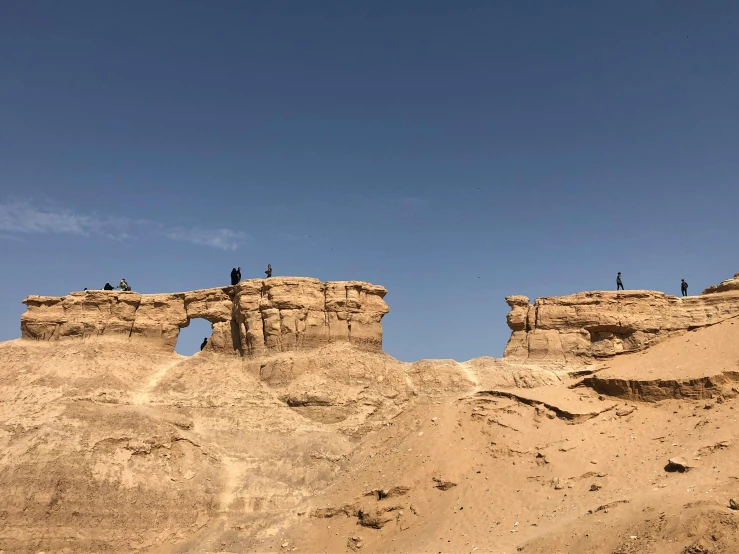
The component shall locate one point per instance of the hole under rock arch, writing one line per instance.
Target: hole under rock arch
(191, 337)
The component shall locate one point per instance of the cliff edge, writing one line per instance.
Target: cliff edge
(251, 318)
(600, 324)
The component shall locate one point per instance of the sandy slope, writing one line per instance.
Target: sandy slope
(706, 351)
(108, 447)
(524, 480)
(533, 481)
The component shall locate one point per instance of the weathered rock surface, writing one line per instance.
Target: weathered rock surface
(596, 324)
(724, 286)
(251, 318)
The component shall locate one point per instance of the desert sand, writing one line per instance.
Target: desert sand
(111, 442)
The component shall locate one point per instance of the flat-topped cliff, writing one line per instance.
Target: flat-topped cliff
(251, 318)
(605, 323)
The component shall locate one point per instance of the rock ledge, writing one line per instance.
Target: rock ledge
(600, 324)
(255, 317)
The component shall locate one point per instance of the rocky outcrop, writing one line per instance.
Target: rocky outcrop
(252, 318)
(589, 325)
(724, 286)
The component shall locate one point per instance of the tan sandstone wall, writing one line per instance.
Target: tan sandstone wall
(596, 324)
(252, 318)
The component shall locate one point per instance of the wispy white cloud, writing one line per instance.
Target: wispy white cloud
(24, 218)
(223, 239)
(19, 218)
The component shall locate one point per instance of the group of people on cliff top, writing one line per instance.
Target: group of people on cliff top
(123, 285)
(236, 274)
(235, 278)
(683, 285)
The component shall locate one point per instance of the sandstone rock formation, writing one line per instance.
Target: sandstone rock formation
(124, 446)
(724, 286)
(252, 318)
(605, 323)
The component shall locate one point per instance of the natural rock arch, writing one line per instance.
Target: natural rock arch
(252, 318)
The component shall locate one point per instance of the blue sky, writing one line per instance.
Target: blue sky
(454, 152)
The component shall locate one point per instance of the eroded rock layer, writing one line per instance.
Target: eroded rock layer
(724, 286)
(605, 323)
(252, 318)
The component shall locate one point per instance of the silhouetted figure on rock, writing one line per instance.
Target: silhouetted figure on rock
(123, 285)
(684, 287)
(205, 341)
(234, 276)
(269, 270)
(238, 275)
(619, 283)
(108, 286)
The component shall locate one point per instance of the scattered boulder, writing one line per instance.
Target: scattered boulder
(679, 464)
(558, 484)
(354, 543)
(733, 504)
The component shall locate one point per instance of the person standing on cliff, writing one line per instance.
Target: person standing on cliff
(684, 287)
(205, 341)
(269, 271)
(619, 283)
(234, 279)
(238, 275)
